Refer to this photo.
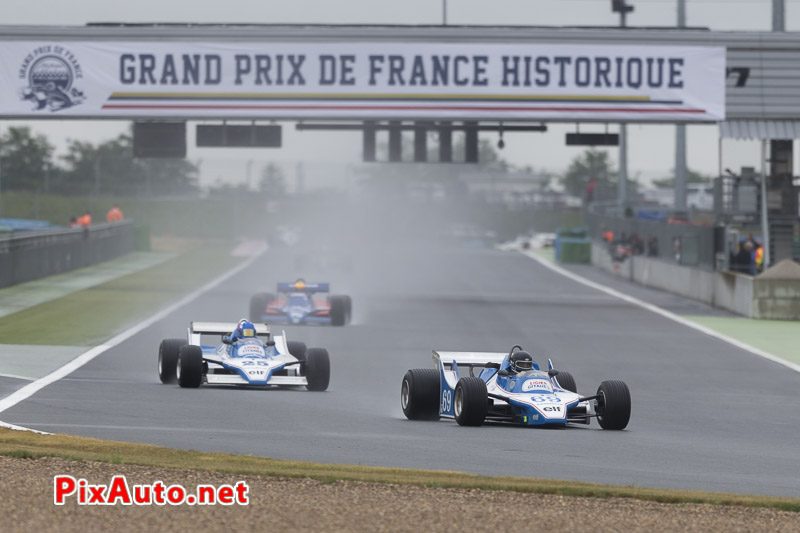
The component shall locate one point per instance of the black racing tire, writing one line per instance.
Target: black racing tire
(470, 401)
(566, 381)
(317, 369)
(419, 394)
(348, 309)
(168, 359)
(297, 349)
(190, 366)
(613, 405)
(338, 310)
(258, 304)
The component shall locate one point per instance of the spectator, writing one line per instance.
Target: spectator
(85, 220)
(652, 246)
(758, 257)
(114, 214)
(742, 261)
(72, 222)
(637, 244)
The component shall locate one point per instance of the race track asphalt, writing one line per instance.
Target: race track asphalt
(706, 415)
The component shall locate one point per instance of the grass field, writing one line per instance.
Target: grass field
(92, 315)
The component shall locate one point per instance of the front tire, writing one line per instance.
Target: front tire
(613, 405)
(297, 349)
(258, 306)
(190, 366)
(567, 382)
(317, 369)
(419, 394)
(470, 402)
(168, 359)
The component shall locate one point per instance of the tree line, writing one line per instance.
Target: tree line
(28, 163)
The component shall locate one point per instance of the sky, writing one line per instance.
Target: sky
(651, 147)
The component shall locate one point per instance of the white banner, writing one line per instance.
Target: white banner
(362, 80)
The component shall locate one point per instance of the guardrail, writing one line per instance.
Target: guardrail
(37, 254)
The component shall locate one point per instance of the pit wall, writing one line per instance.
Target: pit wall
(742, 294)
(27, 256)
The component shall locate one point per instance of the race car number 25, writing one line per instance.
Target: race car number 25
(447, 401)
(255, 363)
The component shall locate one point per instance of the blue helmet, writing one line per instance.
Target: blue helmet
(245, 329)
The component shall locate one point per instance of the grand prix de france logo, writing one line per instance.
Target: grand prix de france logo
(50, 72)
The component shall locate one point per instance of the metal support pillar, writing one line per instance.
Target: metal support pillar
(764, 222)
(622, 180)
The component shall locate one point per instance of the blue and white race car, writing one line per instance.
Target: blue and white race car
(254, 357)
(301, 303)
(510, 387)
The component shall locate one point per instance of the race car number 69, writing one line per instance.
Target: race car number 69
(447, 399)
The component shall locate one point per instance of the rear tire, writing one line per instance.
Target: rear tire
(470, 401)
(258, 306)
(168, 359)
(297, 349)
(338, 310)
(567, 382)
(419, 394)
(190, 366)
(348, 309)
(317, 369)
(613, 405)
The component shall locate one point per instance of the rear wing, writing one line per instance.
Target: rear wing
(468, 359)
(304, 287)
(220, 328)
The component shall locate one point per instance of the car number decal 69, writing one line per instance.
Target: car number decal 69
(447, 401)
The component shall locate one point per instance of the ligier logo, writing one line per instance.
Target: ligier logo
(250, 349)
(50, 72)
(536, 384)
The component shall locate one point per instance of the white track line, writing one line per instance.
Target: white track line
(32, 388)
(662, 312)
(14, 376)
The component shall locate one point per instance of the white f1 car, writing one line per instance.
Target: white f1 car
(507, 391)
(258, 361)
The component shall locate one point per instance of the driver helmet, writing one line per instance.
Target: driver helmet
(521, 361)
(245, 329)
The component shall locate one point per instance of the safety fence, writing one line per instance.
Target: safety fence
(37, 254)
(679, 243)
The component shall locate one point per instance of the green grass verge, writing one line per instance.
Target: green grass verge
(778, 337)
(213, 217)
(27, 445)
(93, 315)
(548, 254)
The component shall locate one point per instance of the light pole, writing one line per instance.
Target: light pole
(444, 12)
(619, 6)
